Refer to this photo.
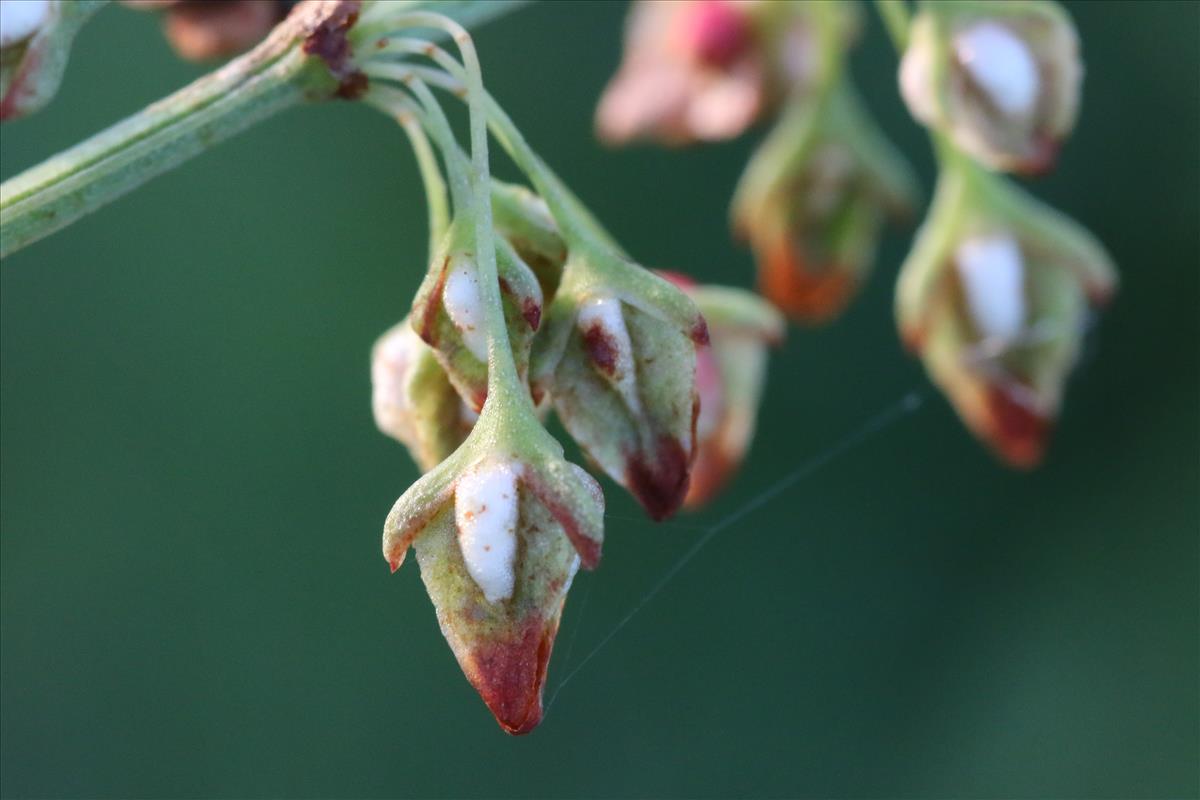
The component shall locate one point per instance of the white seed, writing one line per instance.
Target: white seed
(604, 314)
(993, 277)
(465, 307)
(1000, 63)
(20, 19)
(485, 512)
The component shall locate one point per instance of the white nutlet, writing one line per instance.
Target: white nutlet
(992, 274)
(21, 19)
(1001, 64)
(465, 308)
(486, 506)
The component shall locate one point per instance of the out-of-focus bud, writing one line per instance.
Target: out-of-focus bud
(994, 297)
(704, 70)
(200, 30)
(812, 202)
(621, 372)
(522, 218)
(499, 539)
(1000, 79)
(448, 311)
(730, 375)
(35, 41)
(413, 400)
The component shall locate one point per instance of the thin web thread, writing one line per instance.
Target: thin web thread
(880, 422)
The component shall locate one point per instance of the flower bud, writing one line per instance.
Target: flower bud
(498, 542)
(812, 202)
(994, 298)
(523, 219)
(413, 400)
(730, 374)
(705, 70)
(622, 377)
(1000, 79)
(448, 312)
(35, 41)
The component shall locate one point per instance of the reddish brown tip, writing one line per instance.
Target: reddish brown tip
(659, 482)
(509, 675)
(804, 294)
(1018, 434)
(700, 332)
(601, 348)
(1043, 158)
(532, 312)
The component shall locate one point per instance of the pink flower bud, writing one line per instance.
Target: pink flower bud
(1000, 79)
(692, 70)
(498, 542)
(730, 374)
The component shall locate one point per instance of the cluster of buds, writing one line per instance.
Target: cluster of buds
(813, 198)
(529, 307)
(995, 294)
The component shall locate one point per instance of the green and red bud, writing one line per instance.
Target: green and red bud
(812, 203)
(622, 377)
(1000, 79)
(448, 312)
(994, 298)
(499, 541)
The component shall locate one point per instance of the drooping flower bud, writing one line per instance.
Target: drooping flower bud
(448, 312)
(812, 202)
(413, 400)
(523, 219)
(621, 372)
(994, 297)
(498, 540)
(35, 42)
(730, 374)
(1000, 79)
(704, 70)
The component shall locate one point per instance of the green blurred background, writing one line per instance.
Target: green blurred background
(194, 603)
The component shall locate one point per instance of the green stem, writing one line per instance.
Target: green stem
(431, 178)
(268, 79)
(76, 182)
(895, 16)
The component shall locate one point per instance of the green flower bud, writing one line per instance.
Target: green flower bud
(1000, 79)
(994, 297)
(448, 311)
(812, 202)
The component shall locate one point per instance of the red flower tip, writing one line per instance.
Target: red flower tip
(660, 484)
(509, 675)
(1018, 433)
